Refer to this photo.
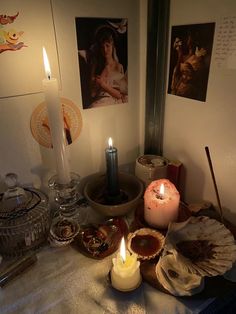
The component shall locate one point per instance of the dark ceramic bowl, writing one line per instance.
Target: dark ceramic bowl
(130, 185)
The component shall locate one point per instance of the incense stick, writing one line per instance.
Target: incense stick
(214, 181)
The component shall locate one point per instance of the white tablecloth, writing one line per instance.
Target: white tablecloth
(63, 281)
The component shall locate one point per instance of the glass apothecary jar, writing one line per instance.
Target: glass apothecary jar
(24, 218)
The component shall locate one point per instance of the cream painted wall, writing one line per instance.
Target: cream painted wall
(191, 125)
(20, 153)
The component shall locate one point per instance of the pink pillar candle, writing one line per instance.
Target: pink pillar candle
(161, 203)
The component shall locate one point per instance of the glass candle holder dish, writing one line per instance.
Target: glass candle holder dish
(69, 213)
(24, 218)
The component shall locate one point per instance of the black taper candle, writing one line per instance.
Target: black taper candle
(112, 170)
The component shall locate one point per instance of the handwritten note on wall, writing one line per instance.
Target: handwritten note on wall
(225, 51)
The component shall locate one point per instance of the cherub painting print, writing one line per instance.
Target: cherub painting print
(191, 47)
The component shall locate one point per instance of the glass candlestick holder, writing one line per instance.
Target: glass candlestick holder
(66, 196)
(69, 211)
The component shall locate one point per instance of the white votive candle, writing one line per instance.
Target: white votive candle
(161, 203)
(125, 273)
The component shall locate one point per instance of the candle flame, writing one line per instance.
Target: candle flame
(46, 64)
(162, 190)
(123, 250)
(110, 142)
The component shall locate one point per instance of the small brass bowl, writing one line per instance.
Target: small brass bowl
(130, 186)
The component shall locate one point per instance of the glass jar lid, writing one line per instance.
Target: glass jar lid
(17, 201)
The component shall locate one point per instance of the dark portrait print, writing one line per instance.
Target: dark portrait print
(191, 48)
(102, 53)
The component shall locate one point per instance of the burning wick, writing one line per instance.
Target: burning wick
(123, 250)
(110, 143)
(46, 64)
(160, 194)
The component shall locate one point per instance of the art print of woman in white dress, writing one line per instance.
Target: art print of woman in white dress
(108, 80)
(103, 78)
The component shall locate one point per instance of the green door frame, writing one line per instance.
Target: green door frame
(157, 45)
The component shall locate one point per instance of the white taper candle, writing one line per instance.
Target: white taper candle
(56, 124)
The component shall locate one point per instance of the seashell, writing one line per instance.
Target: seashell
(175, 277)
(207, 246)
(146, 243)
(196, 207)
(62, 231)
